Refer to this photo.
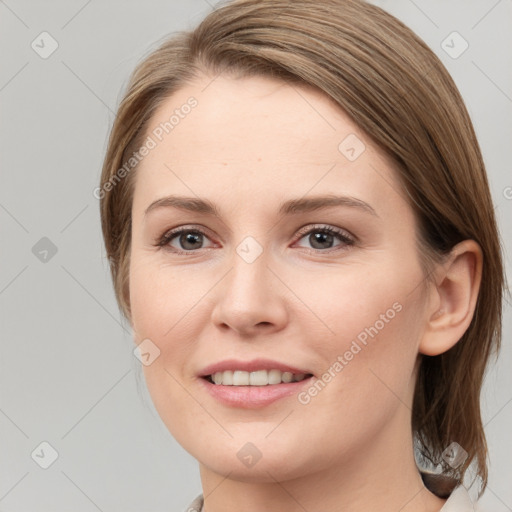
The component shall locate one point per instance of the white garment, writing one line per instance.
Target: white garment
(459, 501)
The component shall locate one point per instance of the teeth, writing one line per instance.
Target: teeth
(258, 378)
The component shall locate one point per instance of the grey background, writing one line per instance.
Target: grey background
(67, 372)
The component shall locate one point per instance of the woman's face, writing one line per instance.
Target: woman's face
(262, 279)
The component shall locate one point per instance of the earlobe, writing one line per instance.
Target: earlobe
(457, 290)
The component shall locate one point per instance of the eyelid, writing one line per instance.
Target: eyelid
(343, 233)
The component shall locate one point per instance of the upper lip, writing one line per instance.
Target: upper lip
(249, 366)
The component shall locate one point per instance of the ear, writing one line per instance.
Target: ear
(455, 295)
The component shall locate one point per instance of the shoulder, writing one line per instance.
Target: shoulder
(457, 496)
(460, 501)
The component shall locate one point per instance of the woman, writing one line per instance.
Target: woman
(301, 235)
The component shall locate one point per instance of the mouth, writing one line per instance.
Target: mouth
(255, 378)
(253, 390)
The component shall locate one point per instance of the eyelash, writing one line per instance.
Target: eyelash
(342, 235)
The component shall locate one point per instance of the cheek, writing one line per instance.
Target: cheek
(161, 298)
(357, 304)
(162, 310)
(169, 306)
(159, 312)
(368, 337)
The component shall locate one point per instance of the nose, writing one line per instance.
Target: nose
(250, 299)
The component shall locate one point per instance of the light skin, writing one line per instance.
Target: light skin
(249, 145)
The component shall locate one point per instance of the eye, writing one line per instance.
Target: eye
(187, 238)
(322, 237)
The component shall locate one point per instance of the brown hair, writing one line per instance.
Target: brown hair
(395, 89)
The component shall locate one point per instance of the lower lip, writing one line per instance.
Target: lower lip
(253, 397)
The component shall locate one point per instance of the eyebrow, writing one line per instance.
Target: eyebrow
(290, 207)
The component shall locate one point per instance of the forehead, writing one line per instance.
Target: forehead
(269, 116)
(234, 138)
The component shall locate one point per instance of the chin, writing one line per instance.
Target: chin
(246, 461)
(266, 470)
